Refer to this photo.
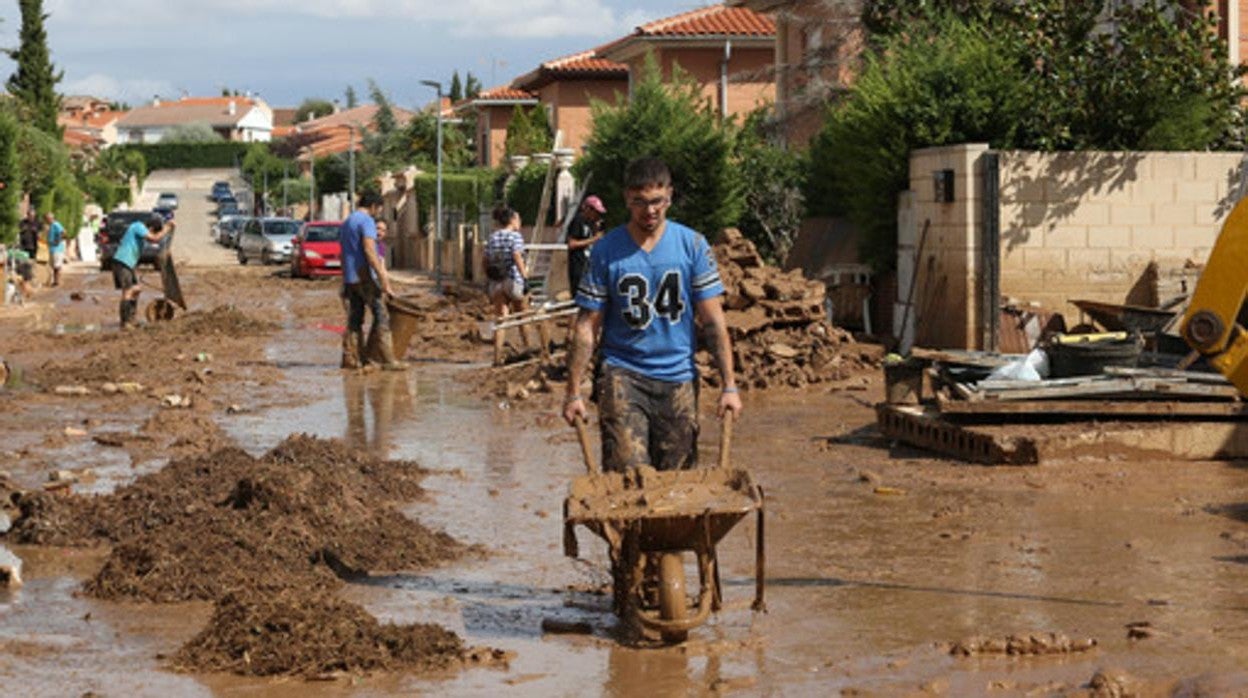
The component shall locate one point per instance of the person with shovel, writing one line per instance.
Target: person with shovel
(126, 258)
(366, 285)
(645, 283)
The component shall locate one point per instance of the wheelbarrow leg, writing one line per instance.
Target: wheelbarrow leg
(760, 559)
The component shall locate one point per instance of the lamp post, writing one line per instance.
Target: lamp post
(312, 189)
(437, 252)
(351, 165)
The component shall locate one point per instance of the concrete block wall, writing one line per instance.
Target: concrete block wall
(1086, 225)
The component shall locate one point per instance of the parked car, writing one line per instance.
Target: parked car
(225, 229)
(267, 239)
(164, 212)
(167, 199)
(316, 251)
(115, 225)
(219, 190)
(226, 202)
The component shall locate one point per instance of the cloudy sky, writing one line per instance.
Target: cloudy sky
(290, 49)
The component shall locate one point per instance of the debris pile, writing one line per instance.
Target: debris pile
(267, 539)
(311, 635)
(1023, 644)
(778, 324)
(447, 326)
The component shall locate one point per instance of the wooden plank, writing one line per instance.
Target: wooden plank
(965, 358)
(1095, 408)
(1192, 376)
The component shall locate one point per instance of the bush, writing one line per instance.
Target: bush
(774, 204)
(43, 158)
(105, 192)
(952, 83)
(65, 201)
(672, 122)
(165, 156)
(10, 175)
(525, 193)
(197, 132)
(471, 191)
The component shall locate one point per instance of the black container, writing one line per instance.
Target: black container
(1090, 357)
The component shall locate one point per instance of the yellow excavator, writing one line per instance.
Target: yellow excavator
(1210, 324)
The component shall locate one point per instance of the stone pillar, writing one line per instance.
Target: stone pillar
(515, 163)
(565, 183)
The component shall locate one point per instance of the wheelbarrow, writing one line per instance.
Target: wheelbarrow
(163, 308)
(650, 520)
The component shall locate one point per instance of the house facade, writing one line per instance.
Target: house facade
(241, 119)
(494, 108)
(567, 87)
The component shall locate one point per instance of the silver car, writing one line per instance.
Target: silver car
(267, 239)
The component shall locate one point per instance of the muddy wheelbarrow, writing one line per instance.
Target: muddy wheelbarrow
(163, 308)
(649, 520)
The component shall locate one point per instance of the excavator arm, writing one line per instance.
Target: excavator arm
(1209, 325)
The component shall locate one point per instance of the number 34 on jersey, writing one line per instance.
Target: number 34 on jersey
(642, 304)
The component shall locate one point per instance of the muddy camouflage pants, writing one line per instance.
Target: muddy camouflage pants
(646, 421)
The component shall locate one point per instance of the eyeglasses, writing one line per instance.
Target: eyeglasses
(656, 202)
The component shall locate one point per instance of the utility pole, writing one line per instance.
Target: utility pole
(285, 183)
(312, 191)
(437, 250)
(351, 166)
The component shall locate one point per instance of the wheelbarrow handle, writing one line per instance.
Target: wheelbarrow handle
(725, 440)
(587, 451)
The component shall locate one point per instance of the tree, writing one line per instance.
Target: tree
(673, 122)
(34, 81)
(772, 178)
(351, 99)
(196, 132)
(528, 131)
(332, 174)
(10, 176)
(313, 108)
(472, 86)
(457, 88)
(259, 164)
(383, 120)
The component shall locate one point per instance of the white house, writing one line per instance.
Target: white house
(244, 119)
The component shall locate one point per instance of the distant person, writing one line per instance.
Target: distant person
(365, 285)
(28, 234)
(22, 266)
(126, 259)
(584, 230)
(383, 229)
(645, 283)
(505, 270)
(55, 238)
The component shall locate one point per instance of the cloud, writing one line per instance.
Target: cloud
(483, 18)
(108, 87)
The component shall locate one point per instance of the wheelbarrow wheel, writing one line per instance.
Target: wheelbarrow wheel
(672, 602)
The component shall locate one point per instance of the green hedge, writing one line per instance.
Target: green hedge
(166, 156)
(472, 190)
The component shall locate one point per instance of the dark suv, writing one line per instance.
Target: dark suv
(115, 225)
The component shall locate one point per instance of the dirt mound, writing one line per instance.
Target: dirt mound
(778, 324)
(448, 326)
(302, 515)
(261, 634)
(222, 320)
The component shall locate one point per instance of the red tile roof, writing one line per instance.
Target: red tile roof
(505, 93)
(75, 138)
(716, 20)
(585, 63)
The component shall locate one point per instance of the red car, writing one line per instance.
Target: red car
(315, 250)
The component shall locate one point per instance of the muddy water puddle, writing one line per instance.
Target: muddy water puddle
(876, 561)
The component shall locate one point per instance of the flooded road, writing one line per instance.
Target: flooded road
(878, 559)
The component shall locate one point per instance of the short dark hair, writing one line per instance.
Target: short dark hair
(503, 214)
(370, 199)
(155, 223)
(645, 172)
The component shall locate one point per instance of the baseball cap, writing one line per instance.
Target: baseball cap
(595, 203)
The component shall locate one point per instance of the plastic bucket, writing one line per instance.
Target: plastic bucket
(403, 322)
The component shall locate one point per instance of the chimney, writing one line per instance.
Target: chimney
(156, 100)
(232, 109)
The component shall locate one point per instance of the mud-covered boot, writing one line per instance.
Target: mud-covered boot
(351, 350)
(385, 343)
(127, 310)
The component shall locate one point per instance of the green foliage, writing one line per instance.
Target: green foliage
(313, 108)
(11, 176)
(471, 191)
(120, 164)
(351, 100)
(457, 88)
(332, 174)
(34, 81)
(260, 166)
(165, 156)
(43, 158)
(197, 132)
(296, 189)
(525, 193)
(417, 144)
(383, 120)
(65, 201)
(772, 177)
(472, 86)
(673, 122)
(528, 132)
(105, 191)
(955, 83)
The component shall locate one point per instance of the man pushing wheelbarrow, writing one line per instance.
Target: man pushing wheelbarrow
(646, 282)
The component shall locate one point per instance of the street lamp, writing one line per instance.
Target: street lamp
(351, 161)
(437, 252)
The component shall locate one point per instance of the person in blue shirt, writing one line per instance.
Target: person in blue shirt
(126, 258)
(365, 285)
(645, 283)
(56, 247)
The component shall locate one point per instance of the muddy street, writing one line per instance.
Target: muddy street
(889, 572)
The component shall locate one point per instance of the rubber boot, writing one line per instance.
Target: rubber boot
(351, 350)
(386, 344)
(128, 310)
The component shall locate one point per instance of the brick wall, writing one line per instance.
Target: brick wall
(1072, 226)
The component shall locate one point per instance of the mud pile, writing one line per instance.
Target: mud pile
(447, 326)
(223, 320)
(312, 635)
(303, 515)
(778, 325)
